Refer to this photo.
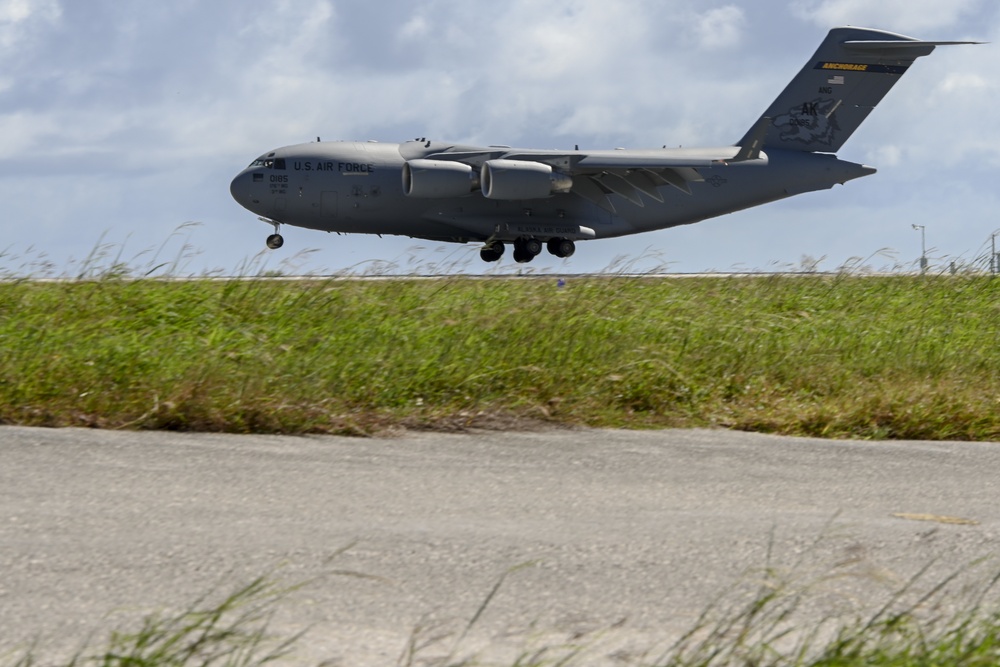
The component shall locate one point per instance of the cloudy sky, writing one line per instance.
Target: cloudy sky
(123, 121)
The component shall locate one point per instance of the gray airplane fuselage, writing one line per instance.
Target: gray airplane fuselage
(356, 187)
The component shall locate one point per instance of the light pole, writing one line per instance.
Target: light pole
(923, 248)
(993, 253)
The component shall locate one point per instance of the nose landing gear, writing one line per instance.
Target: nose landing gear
(275, 240)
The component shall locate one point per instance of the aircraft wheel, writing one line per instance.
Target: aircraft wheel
(561, 247)
(492, 252)
(522, 256)
(528, 246)
(275, 241)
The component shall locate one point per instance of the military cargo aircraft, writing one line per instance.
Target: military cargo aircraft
(551, 199)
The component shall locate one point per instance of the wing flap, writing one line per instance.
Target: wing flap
(620, 186)
(679, 178)
(643, 182)
(586, 187)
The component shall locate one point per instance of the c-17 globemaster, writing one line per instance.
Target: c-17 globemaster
(550, 199)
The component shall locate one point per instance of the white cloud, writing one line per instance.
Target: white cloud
(722, 27)
(888, 155)
(21, 131)
(959, 82)
(18, 16)
(568, 72)
(16, 11)
(894, 15)
(415, 29)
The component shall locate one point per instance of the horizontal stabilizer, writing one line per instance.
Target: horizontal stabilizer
(914, 49)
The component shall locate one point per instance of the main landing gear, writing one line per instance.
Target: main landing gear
(526, 248)
(492, 251)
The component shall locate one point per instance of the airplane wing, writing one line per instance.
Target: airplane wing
(628, 173)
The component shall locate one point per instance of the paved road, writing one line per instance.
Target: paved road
(99, 527)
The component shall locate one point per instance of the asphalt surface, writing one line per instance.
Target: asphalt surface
(623, 538)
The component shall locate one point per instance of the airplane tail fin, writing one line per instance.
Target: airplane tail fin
(849, 74)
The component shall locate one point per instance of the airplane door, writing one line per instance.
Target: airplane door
(328, 205)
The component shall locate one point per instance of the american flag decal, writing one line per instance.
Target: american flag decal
(836, 80)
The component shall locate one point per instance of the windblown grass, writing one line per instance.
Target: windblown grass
(916, 625)
(233, 632)
(768, 628)
(834, 356)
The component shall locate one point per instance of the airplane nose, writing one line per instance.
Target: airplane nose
(240, 189)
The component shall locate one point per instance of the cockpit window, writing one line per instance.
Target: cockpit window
(269, 163)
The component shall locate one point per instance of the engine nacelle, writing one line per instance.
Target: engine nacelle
(520, 179)
(435, 179)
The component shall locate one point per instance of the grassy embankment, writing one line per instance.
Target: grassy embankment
(840, 356)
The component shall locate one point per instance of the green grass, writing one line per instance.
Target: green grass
(831, 356)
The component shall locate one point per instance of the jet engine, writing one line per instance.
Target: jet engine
(521, 179)
(434, 179)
